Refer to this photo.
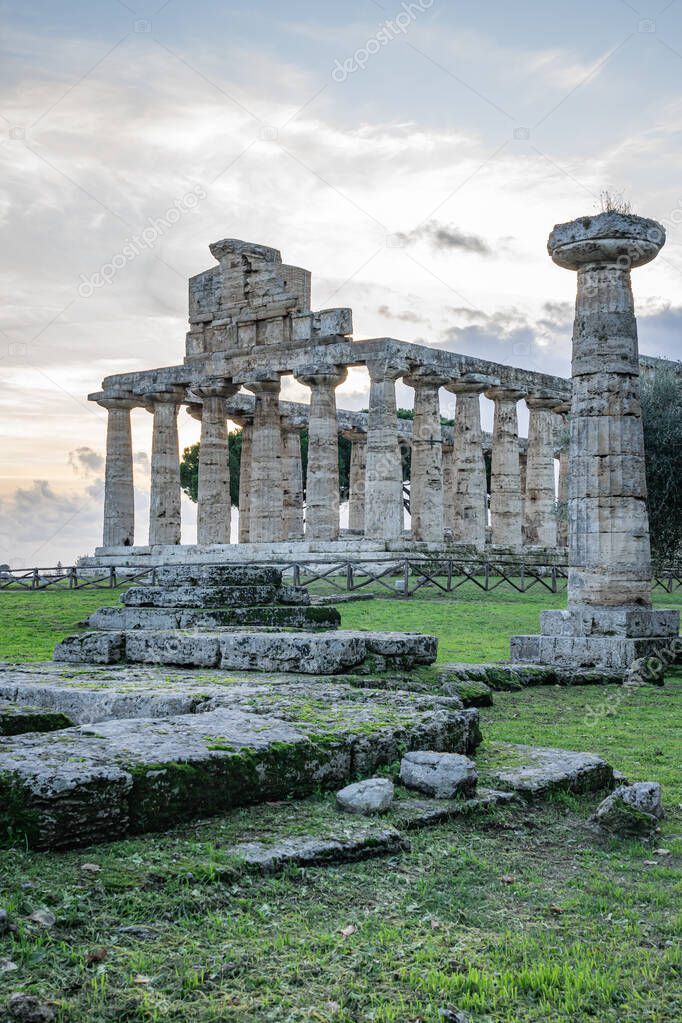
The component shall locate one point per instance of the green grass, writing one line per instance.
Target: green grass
(520, 916)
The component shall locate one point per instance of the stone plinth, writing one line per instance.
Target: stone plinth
(609, 622)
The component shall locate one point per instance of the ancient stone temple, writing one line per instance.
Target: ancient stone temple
(610, 621)
(251, 324)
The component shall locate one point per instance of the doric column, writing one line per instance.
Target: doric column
(561, 443)
(292, 474)
(384, 474)
(267, 498)
(214, 505)
(505, 484)
(469, 516)
(609, 555)
(448, 484)
(322, 478)
(426, 482)
(164, 502)
(356, 479)
(245, 481)
(119, 492)
(539, 507)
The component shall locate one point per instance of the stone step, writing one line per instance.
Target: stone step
(215, 596)
(103, 781)
(310, 653)
(313, 851)
(270, 616)
(606, 653)
(217, 575)
(17, 719)
(534, 771)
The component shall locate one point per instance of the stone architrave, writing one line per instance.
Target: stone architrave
(505, 482)
(384, 475)
(266, 523)
(469, 514)
(214, 507)
(119, 492)
(164, 501)
(322, 479)
(539, 506)
(426, 483)
(356, 479)
(292, 480)
(609, 622)
(245, 481)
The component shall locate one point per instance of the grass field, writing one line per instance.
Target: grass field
(520, 916)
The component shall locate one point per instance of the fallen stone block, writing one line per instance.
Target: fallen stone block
(631, 810)
(442, 775)
(472, 692)
(374, 795)
(412, 814)
(533, 771)
(310, 851)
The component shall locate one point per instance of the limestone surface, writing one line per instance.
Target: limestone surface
(374, 795)
(533, 771)
(631, 810)
(442, 775)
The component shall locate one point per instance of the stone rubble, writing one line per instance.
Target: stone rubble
(441, 775)
(374, 795)
(631, 810)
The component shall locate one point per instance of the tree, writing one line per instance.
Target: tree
(661, 392)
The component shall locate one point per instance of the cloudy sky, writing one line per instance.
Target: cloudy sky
(413, 155)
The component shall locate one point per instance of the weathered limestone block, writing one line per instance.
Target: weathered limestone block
(194, 649)
(308, 653)
(505, 484)
(119, 493)
(635, 623)
(164, 501)
(442, 775)
(539, 507)
(631, 810)
(199, 596)
(322, 481)
(374, 795)
(315, 851)
(426, 484)
(384, 474)
(92, 647)
(608, 653)
(269, 616)
(216, 575)
(535, 770)
(394, 646)
(213, 502)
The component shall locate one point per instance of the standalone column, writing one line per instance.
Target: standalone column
(119, 493)
(561, 444)
(470, 492)
(539, 509)
(505, 484)
(610, 623)
(214, 506)
(164, 502)
(384, 475)
(426, 483)
(292, 472)
(356, 480)
(322, 479)
(245, 482)
(267, 499)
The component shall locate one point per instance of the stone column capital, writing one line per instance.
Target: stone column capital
(621, 240)
(113, 402)
(424, 377)
(542, 401)
(355, 436)
(382, 369)
(167, 396)
(215, 389)
(501, 393)
(291, 425)
(563, 408)
(322, 376)
(195, 409)
(264, 385)
(471, 383)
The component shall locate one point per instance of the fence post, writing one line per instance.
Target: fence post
(486, 575)
(349, 576)
(297, 575)
(406, 579)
